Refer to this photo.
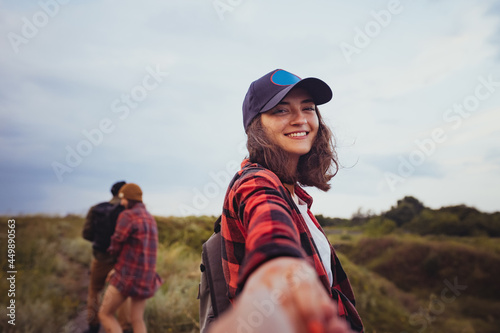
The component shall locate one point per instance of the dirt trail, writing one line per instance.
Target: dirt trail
(79, 323)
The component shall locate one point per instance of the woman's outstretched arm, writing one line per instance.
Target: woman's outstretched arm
(284, 295)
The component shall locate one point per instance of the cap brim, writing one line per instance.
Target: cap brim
(318, 89)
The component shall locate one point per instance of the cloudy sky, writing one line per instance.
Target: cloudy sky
(92, 92)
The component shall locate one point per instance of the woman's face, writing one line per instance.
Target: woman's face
(293, 123)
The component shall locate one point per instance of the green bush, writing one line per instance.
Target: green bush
(191, 230)
(405, 210)
(414, 265)
(379, 226)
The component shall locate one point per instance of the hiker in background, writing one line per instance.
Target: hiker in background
(135, 243)
(281, 271)
(99, 227)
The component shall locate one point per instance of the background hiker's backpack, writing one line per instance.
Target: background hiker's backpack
(212, 291)
(104, 216)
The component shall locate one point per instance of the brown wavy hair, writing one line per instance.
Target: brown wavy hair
(316, 168)
(131, 203)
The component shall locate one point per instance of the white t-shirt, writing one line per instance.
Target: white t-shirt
(320, 240)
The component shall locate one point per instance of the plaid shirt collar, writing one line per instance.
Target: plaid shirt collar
(301, 193)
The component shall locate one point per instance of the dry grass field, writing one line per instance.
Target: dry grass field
(404, 282)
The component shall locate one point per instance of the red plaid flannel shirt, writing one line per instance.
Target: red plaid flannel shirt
(260, 222)
(135, 242)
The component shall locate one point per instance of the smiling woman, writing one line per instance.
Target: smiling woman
(294, 131)
(274, 252)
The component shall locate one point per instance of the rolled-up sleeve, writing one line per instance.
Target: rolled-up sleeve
(121, 234)
(265, 218)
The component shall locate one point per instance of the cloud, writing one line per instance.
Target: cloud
(493, 154)
(406, 161)
(63, 82)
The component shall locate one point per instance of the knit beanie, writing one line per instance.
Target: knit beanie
(131, 191)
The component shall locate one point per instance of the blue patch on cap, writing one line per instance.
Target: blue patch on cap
(284, 78)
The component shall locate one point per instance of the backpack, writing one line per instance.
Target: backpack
(104, 217)
(212, 291)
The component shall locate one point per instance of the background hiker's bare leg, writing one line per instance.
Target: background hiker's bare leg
(123, 314)
(138, 306)
(110, 303)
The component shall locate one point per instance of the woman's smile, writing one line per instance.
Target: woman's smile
(298, 135)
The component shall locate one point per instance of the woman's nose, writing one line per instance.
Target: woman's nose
(299, 118)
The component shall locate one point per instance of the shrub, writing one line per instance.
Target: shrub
(379, 226)
(190, 230)
(405, 210)
(415, 265)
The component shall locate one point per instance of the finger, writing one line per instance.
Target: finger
(314, 306)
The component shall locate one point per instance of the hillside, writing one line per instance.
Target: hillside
(413, 269)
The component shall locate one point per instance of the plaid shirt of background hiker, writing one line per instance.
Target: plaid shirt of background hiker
(260, 222)
(135, 242)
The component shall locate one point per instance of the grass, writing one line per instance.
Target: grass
(398, 279)
(425, 268)
(416, 263)
(174, 308)
(381, 305)
(46, 293)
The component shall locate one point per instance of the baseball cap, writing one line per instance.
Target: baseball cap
(266, 92)
(116, 187)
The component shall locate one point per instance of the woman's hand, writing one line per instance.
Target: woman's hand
(284, 295)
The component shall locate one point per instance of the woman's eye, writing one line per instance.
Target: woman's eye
(279, 111)
(310, 108)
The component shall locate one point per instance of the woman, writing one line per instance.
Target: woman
(277, 260)
(134, 243)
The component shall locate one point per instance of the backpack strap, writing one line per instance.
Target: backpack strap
(213, 282)
(212, 259)
(217, 225)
